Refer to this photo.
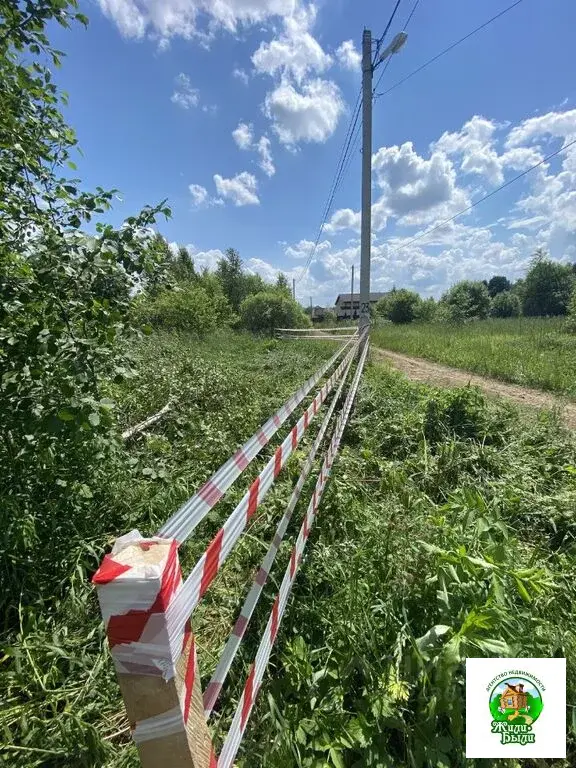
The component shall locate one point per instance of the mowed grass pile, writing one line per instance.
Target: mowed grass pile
(535, 352)
(447, 530)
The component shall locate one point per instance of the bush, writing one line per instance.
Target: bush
(505, 304)
(467, 300)
(402, 306)
(548, 287)
(571, 322)
(267, 310)
(200, 308)
(426, 311)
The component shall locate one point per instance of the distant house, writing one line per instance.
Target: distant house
(318, 313)
(513, 697)
(348, 305)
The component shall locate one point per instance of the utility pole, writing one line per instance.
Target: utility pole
(352, 295)
(311, 309)
(294, 288)
(366, 226)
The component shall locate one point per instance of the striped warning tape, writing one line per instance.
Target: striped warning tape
(222, 544)
(192, 512)
(215, 685)
(254, 680)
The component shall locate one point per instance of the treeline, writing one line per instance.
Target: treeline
(200, 301)
(547, 290)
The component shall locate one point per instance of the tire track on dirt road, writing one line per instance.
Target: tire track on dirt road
(417, 369)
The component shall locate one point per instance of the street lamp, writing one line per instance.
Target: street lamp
(394, 46)
(366, 226)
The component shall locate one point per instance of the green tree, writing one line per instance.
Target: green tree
(282, 285)
(232, 279)
(497, 284)
(182, 266)
(264, 312)
(64, 313)
(548, 287)
(402, 306)
(467, 300)
(505, 304)
(426, 310)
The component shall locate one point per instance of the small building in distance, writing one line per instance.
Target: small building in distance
(348, 305)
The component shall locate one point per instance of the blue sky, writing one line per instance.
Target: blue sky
(236, 110)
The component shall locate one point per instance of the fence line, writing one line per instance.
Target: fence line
(146, 604)
(193, 511)
(222, 544)
(256, 674)
(217, 681)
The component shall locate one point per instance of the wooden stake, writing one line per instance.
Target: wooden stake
(160, 682)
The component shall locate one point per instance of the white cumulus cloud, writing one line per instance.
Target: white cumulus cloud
(295, 52)
(348, 56)
(239, 190)
(164, 19)
(263, 147)
(308, 115)
(243, 135)
(199, 194)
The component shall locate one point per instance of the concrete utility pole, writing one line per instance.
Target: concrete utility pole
(366, 228)
(352, 295)
(294, 288)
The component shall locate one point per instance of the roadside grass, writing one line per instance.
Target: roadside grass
(534, 352)
(447, 530)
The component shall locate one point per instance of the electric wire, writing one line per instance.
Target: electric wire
(482, 199)
(449, 48)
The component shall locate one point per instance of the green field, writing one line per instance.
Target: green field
(534, 352)
(442, 535)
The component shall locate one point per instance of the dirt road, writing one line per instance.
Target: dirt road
(418, 369)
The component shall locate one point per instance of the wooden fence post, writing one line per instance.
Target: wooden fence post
(157, 671)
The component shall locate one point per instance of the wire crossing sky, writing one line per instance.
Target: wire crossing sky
(246, 118)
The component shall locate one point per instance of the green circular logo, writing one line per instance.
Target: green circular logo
(517, 701)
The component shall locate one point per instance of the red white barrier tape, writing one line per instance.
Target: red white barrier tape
(190, 514)
(254, 680)
(322, 337)
(319, 330)
(215, 685)
(222, 544)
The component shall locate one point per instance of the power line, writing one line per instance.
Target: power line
(357, 136)
(404, 28)
(381, 38)
(482, 199)
(449, 48)
(336, 181)
(346, 153)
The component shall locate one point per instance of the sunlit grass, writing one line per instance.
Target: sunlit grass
(534, 352)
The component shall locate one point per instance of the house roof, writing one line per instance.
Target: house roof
(516, 688)
(356, 296)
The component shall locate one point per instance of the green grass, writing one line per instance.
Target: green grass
(534, 352)
(446, 530)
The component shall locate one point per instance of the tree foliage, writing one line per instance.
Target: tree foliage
(267, 310)
(505, 304)
(497, 284)
(467, 300)
(399, 306)
(64, 309)
(547, 287)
